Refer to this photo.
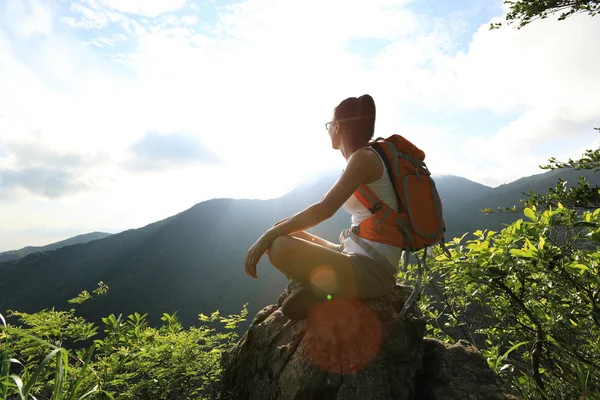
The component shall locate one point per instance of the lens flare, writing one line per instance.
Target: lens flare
(343, 335)
(324, 278)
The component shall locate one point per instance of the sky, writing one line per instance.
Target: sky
(118, 113)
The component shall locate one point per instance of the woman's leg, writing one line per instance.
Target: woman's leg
(303, 261)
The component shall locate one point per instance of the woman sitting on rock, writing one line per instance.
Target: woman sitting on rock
(325, 269)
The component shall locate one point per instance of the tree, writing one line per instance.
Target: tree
(580, 197)
(522, 12)
(529, 296)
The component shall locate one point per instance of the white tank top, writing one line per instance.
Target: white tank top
(383, 188)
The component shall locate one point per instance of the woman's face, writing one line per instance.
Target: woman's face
(334, 134)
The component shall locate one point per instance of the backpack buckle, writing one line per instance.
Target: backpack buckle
(376, 207)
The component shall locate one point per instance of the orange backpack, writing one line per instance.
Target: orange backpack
(419, 223)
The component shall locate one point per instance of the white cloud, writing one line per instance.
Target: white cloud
(544, 71)
(256, 88)
(149, 8)
(26, 18)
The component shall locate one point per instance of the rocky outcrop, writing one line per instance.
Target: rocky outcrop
(348, 349)
(457, 372)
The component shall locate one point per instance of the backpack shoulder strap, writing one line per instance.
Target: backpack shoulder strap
(368, 198)
(378, 148)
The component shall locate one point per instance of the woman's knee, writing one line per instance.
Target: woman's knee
(279, 249)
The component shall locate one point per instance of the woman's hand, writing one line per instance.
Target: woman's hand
(255, 252)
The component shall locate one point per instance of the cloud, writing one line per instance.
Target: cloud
(156, 151)
(148, 8)
(541, 73)
(38, 154)
(52, 183)
(47, 172)
(26, 18)
(91, 86)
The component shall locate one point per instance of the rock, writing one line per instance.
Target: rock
(345, 349)
(349, 349)
(458, 372)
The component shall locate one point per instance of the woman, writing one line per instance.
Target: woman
(325, 268)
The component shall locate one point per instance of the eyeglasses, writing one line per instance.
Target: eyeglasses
(328, 124)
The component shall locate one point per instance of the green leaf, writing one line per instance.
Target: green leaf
(529, 213)
(545, 218)
(541, 243)
(513, 348)
(476, 272)
(529, 246)
(522, 253)
(581, 267)
(573, 322)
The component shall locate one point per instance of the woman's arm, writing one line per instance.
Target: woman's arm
(359, 169)
(309, 237)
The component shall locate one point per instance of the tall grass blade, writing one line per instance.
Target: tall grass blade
(94, 390)
(516, 346)
(60, 374)
(24, 333)
(39, 370)
(4, 375)
(19, 384)
(82, 374)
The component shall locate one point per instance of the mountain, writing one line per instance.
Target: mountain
(85, 238)
(466, 217)
(455, 190)
(192, 262)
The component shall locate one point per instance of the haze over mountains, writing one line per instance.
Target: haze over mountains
(192, 262)
(85, 238)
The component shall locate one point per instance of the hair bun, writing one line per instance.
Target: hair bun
(365, 106)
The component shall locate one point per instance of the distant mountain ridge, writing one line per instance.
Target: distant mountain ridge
(455, 187)
(25, 251)
(468, 218)
(192, 262)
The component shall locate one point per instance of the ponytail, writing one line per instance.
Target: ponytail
(357, 116)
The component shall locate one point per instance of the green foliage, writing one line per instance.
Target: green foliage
(582, 196)
(530, 297)
(523, 12)
(39, 356)
(589, 160)
(84, 296)
(81, 297)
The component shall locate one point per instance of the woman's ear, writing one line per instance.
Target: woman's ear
(336, 135)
